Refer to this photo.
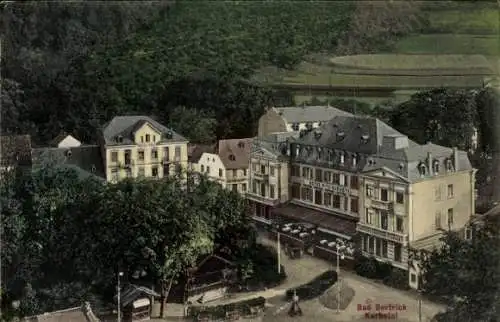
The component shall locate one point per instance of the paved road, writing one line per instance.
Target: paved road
(366, 290)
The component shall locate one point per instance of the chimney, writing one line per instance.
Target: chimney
(429, 164)
(455, 158)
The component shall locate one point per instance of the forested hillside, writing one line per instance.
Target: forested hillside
(72, 66)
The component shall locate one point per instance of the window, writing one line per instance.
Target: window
(263, 169)
(397, 252)
(449, 165)
(422, 170)
(177, 153)
(263, 189)
(336, 201)
(383, 194)
(306, 194)
(437, 193)
(154, 154)
(384, 221)
(154, 138)
(271, 171)
(140, 155)
(336, 178)
(413, 278)
(435, 167)
(295, 126)
(384, 248)
(295, 171)
(114, 156)
(142, 139)
(208, 169)
(354, 205)
(354, 182)
(234, 187)
(327, 175)
(243, 187)
(400, 197)
(305, 172)
(365, 243)
(178, 169)
(318, 197)
(319, 175)
(378, 247)
(437, 220)
(202, 168)
(271, 191)
(254, 167)
(220, 172)
(244, 172)
(342, 158)
(147, 137)
(368, 217)
(141, 172)
(346, 204)
(296, 190)
(450, 191)
(468, 233)
(309, 125)
(369, 191)
(254, 187)
(450, 217)
(327, 200)
(371, 244)
(399, 224)
(166, 170)
(154, 172)
(342, 179)
(235, 173)
(114, 174)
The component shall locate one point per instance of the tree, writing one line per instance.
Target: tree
(441, 116)
(196, 125)
(465, 272)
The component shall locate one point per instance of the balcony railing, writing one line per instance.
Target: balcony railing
(261, 176)
(382, 205)
(401, 238)
(260, 199)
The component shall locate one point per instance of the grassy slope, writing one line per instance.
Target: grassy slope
(455, 31)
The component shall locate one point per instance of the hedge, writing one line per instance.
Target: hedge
(385, 272)
(219, 311)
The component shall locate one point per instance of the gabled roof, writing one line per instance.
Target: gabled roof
(195, 151)
(305, 114)
(132, 292)
(235, 154)
(86, 159)
(125, 127)
(77, 314)
(15, 149)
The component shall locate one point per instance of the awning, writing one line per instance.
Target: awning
(329, 222)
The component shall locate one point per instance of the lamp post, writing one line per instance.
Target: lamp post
(278, 246)
(119, 318)
(339, 256)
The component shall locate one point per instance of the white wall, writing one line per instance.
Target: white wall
(69, 142)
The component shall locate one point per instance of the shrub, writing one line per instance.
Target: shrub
(384, 270)
(219, 311)
(265, 273)
(398, 278)
(314, 288)
(367, 267)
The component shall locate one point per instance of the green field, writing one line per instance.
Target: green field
(461, 30)
(449, 44)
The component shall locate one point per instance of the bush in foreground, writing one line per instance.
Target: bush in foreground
(314, 288)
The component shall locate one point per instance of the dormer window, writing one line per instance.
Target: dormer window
(148, 138)
(449, 165)
(342, 157)
(371, 162)
(295, 126)
(309, 125)
(231, 157)
(340, 136)
(331, 155)
(320, 153)
(422, 169)
(241, 145)
(317, 134)
(365, 138)
(154, 138)
(119, 139)
(354, 160)
(435, 166)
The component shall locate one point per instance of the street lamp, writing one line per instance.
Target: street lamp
(120, 274)
(278, 246)
(340, 248)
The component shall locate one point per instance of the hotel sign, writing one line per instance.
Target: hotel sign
(338, 189)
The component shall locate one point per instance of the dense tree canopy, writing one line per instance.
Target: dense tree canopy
(465, 272)
(73, 66)
(68, 235)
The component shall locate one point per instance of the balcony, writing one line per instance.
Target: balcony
(260, 176)
(401, 238)
(166, 160)
(260, 199)
(236, 179)
(127, 164)
(379, 204)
